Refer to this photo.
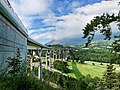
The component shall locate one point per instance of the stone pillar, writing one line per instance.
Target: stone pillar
(47, 59)
(41, 69)
(50, 62)
(59, 54)
(66, 54)
(31, 60)
(40, 66)
(31, 66)
(54, 55)
(63, 54)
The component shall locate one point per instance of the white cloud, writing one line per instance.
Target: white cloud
(31, 7)
(73, 23)
(28, 9)
(46, 35)
(50, 21)
(66, 26)
(98, 8)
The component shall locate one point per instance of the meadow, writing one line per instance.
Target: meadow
(88, 68)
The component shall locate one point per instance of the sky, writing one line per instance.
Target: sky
(46, 20)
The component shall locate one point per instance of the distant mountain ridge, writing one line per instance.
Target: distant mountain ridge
(67, 41)
(76, 41)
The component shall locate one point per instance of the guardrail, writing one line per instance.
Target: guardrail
(9, 8)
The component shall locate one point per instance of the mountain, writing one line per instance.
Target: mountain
(77, 41)
(67, 41)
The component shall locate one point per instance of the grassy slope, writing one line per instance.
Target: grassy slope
(87, 68)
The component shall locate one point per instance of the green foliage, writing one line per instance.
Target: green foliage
(22, 83)
(14, 64)
(110, 80)
(36, 71)
(91, 83)
(61, 65)
(15, 77)
(98, 55)
(43, 53)
(69, 83)
(116, 44)
(116, 48)
(76, 69)
(101, 23)
(77, 55)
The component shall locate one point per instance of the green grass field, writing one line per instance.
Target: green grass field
(88, 68)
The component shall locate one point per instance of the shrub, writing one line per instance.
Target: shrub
(22, 83)
(14, 64)
(70, 83)
(110, 80)
(15, 76)
(93, 64)
(62, 66)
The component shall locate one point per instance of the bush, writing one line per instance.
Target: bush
(62, 66)
(15, 76)
(110, 80)
(22, 83)
(70, 83)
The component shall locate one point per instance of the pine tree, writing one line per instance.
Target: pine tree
(102, 24)
(14, 64)
(110, 80)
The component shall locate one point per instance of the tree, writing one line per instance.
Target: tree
(110, 80)
(102, 24)
(116, 48)
(14, 64)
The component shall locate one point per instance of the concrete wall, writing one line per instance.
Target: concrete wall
(11, 39)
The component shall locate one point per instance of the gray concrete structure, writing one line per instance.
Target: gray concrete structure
(34, 52)
(13, 34)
